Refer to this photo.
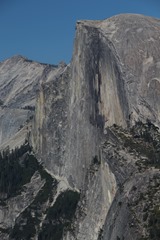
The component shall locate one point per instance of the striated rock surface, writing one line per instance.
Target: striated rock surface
(130, 67)
(19, 84)
(93, 126)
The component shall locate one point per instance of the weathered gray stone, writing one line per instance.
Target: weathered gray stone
(113, 78)
(19, 84)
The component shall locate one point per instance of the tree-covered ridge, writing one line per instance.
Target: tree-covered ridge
(59, 216)
(142, 142)
(143, 138)
(16, 169)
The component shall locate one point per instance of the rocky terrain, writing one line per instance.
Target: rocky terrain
(80, 143)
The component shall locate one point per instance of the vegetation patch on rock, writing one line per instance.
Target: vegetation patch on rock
(59, 216)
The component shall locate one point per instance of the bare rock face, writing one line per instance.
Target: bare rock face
(93, 127)
(135, 39)
(132, 42)
(19, 85)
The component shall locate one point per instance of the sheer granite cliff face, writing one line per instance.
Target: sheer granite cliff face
(125, 49)
(136, 42)
(109, 81)
(67, 113)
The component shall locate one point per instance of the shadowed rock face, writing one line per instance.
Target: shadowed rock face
(67, 113)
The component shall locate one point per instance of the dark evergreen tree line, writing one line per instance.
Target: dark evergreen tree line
(13, 172)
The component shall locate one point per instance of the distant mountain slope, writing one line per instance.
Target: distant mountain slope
(20, 81)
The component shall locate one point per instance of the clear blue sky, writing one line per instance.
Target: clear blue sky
(44, 30)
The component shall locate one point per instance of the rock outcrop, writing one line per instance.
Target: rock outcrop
(20, 81)
(93, 127)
